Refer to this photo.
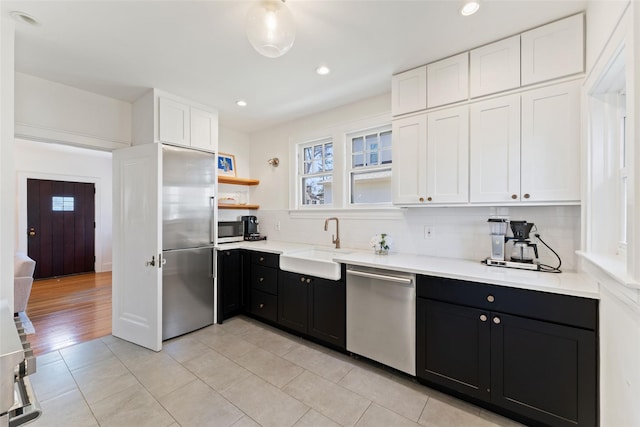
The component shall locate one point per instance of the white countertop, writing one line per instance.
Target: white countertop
(566, 283)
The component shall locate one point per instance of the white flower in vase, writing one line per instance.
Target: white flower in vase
(381, 243)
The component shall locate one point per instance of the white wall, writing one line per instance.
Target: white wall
(41, 160)
(7, 209)
(53, 112)
(619, 316)
(602, 16)
(239, 144)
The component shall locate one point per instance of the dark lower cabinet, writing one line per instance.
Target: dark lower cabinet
(293, 291)
(540, 371)
(262, 286)
(328, 311)
(544, 371)
(230, 283)
(313, 306)
(453, 347)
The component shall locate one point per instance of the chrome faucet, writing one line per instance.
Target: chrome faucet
(334, 239)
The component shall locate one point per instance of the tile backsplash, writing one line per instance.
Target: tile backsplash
(456, 232)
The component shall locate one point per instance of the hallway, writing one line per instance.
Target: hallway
(69, 310)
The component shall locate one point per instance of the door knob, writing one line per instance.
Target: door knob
(32, 232)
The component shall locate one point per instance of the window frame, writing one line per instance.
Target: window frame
(301, 175)
(352, 170)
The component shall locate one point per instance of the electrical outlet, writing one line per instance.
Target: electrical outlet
(277, 225)
(428, 232)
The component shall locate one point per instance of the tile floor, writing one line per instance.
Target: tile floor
(241, 373)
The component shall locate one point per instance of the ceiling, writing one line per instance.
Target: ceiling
(198, 49)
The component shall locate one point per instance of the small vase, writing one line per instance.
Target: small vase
(382, 251)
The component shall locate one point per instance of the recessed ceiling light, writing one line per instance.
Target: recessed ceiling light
(24, 18)
(469, 8)
(241, 103)
(323, 70)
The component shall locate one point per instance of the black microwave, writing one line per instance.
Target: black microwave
(230, 231)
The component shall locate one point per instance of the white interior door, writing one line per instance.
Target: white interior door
(137, 245)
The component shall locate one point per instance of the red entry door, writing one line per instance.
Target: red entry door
(61, 227)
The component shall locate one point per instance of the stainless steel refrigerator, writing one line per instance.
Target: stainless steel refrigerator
(188, 185)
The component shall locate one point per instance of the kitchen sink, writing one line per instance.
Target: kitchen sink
(316, 262)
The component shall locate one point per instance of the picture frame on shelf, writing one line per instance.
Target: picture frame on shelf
(226, 164)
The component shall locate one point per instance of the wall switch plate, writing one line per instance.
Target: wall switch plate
(428, 232)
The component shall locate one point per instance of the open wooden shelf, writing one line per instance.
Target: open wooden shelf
(222, 179)
(251, 207)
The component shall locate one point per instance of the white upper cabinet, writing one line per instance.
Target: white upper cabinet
(204, 129)
(551, 144)
(495, 150)
(164, 118)
(409, 176)
(448, 80)
(409, 91)
(495, 67)
(448, 155)
(553, 50)
(173, 122)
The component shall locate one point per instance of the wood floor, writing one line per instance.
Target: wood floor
(69, 310)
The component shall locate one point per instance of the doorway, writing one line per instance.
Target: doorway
(61, 227)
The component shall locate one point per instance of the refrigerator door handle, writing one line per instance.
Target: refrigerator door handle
(213, 264)
(212, 221)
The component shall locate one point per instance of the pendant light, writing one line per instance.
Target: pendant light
(270, 28)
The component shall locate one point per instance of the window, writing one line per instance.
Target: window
(370, 166)
(622, 173)
(59, 203)
(316, 172)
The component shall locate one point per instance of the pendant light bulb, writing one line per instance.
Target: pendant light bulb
(270, 28)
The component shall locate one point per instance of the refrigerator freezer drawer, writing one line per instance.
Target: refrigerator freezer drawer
(187, 291)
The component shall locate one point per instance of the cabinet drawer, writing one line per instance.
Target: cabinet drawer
(264, 279)
(264, 305)
(565, 309)
(264, 258)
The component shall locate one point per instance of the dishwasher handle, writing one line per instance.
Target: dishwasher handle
(397, 279)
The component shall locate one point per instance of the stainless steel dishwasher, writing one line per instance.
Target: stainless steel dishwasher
(381, 316)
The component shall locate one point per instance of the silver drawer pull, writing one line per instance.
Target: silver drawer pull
(496, 320)
(491, 298)
(483, 317)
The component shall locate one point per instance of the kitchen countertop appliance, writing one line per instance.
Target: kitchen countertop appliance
(251, 228)
(381, 316)
(523, 252)
(187, 240)
(230, 231)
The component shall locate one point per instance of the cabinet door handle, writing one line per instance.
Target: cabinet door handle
(496, 320)
(261, 305)
(421, 199)
(527, 195)
(308, 280)
(302, 279)
(483, 317)
(261, 279)
(514, 196)
(491, 298)
(261, 258)
(429, 199)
